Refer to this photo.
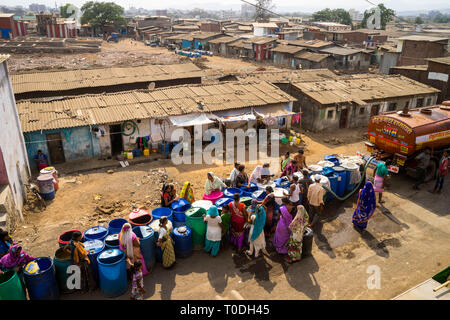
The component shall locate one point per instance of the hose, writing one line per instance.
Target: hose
(133, 125)
(357, 185)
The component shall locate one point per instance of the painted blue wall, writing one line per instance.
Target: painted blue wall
(186, 44)
(78, 143)
(5, 33)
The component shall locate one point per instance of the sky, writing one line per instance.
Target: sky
(280, 5)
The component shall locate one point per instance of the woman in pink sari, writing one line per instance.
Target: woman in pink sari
(129, 243)
(282, 233)
(238, 220)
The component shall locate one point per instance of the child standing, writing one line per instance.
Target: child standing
(137, 289)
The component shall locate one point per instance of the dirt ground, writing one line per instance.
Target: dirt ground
(407, 238)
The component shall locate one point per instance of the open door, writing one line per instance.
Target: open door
(343, 119)
(115, 133)
(55, 148)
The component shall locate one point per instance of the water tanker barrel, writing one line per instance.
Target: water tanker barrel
(246, 200)
(46, 186)
(62, 261)
(350, 168)
(161, 212)
(54, 173)
(229, 193)
(183, 241)
(94, 247)
(213, 196)
(112, 269)
(333, 184)
(112, 241)
(140, 217)
(11, 286)
(65, 237)
(147, 243)
(115, 225)
(155, 227)
(223, 202)
(179, 208)
(316, 169)
(96, 233)
(40, 279)
(308, 237)
(341, 180)
(333, 159)
(205, 204)
(194, 220)
(259, 195)
(253, 188)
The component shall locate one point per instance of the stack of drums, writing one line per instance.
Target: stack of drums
(183, 241)
(65, 238)
(140, 217)
(179, 208)
(112, 241)
(62, 261)
(40, 279)
(96, 233)
(147, 244)
(194, 220)
(113, 272)
(341, 180)
(94, 247)
(115, 225)
(52, 171)
(11, 286)
(162, 212)
(155, 227)
(46, 186)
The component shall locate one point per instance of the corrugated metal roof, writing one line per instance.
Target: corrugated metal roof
(287, 49)
(55, 113)
(341, 51)
(358, 90)
(74, 79)
(264, 25)
(422, 38)
(443, 60)
(225, 39)
(308, 75)
(311, 56)
(4, 57)
(309, 43)
(262, 40)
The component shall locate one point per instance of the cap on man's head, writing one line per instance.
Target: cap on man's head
(317, 178)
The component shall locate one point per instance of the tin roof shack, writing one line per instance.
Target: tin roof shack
(211, 26)
(219, 45)
(14, 169)
(283, 55)
(240, 49)
(311, 45)
(262, 47)
(332, 26)
(265, 29)
(201, 39)
(288, 35)
(154, 21)
(90, 126)
(362, 37)
(388, 56)
(312, 60)
(44, 19)
(76, 82)
(62, 29)
(186, 28)
(415, 49)
(350, 101)
(349, 58)
(7, 26)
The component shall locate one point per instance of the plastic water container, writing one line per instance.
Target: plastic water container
(308, 238)
(183, 241)
(246, 200)
(194, 220)
(253, 188)
(333, 159)
(327, 171)
(112, 241)
(223, 202)
(161, 212)
(155, 226)
(40, 279)
(263, 186)
(46, 186)
(94, 247)
(214, 196)
(299, 175)
(11, 286)
(325, 163)
(52, 171)
(65, 237)
(113, 272)
(62, 261)
(205, 204)
(349, 168)
(341, 180)
(179, 208)
(115, 225)
(259, 195)
(146, 237)
(165, 148)
(130, 155)
(229, 193)
(333, 185)
(96, 233)
(282, 183)
(316, 169)
(139, 217)
(279, 194)
(146, 152)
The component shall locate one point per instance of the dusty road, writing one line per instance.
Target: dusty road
(408, 238)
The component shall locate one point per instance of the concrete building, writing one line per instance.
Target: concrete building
(284, 55)
(10, 28)
(388, 58)
(218, 46)
(265, 29)
(312, 60)
(415, 49)
(350, 101)
(262, 47)
(14, 169)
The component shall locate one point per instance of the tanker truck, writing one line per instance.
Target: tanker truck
(400, 136)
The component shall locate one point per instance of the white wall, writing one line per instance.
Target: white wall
(12, 142)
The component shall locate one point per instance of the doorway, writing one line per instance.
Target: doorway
(343, 119)
(55, 148)
(374, 110)
(115, 133)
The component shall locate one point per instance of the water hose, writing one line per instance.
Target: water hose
(127, 125)
(357, 185)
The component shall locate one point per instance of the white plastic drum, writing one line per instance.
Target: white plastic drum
(323, 180)
(325, 163)
(350, 166)
(263, 186)
(299, 175)
(155, 226)
(279, 194)
(205, 204)
(315, 168)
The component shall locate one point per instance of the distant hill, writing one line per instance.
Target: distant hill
(418, 12)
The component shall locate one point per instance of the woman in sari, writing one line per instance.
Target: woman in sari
(130, 244)
(213, 183)
(257, 219)
(255, 177)
(168, 195)
(366, 205)
(5, 242)
(238, 219)
(380, 173)
(297, 227)
(282, 232)
(213, 231)
(166, 244)
(289, 170)
(285, 161)
(187, 192)
(15, 259)
(269, 205)
(242, 178)
(79, 256)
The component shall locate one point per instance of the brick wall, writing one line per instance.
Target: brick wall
(415, 52)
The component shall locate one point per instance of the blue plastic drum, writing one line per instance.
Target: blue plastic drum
(147, 243)
(179, 208)
(253, 188)
(112, 241)
(96, 233)
(94, 247)
(115, 226)
(333, 185)
(223, 202)
(183, 241)
(40, 279)
(259, 195)
(333, 159)
(282, 183)
(229, 193)
(341, 180)
(161, 212)
(113, 272)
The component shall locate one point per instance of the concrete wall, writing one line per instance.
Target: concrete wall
(12, 145)
(415, 52)
(283, 59)
(388, 60)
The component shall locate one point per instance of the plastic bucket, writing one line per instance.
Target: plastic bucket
(161, 212)
(179, 208)
(183, 241)
(65, 237)
(96, 233)
(115, 225)
(140, 217)
(194, 220)
(11, 286)
(112, 272)
(40, 279)
(214, 196)
(62, 261)
(146, 237)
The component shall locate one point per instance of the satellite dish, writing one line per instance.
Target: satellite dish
(151, 86)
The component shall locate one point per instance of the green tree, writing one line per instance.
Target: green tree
(386, 15)
(99, 14)
(418, 20)
(63, 10)
(441, 18)
(337, 15)
(261, 8)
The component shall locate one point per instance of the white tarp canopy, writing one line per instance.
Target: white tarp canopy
(190, 120)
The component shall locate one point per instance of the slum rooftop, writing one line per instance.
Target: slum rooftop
(3, 57)
(66, 112)
(75, 79)
(360, 90)
(422, 38)
(442, 60)
(289, 76)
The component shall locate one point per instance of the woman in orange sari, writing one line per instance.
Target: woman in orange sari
(238, 219)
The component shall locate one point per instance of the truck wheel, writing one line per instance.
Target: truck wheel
(431, 170)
